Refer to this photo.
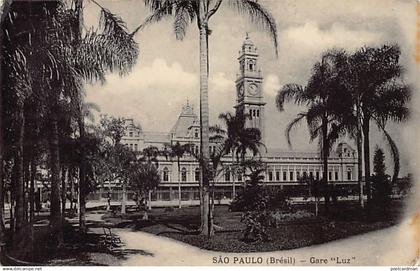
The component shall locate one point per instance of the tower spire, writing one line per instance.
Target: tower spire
(250, 97)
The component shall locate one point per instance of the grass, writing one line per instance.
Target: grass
(77, 249)
(182, 224)
(344, 220)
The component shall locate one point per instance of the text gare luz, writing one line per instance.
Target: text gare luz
(253, 260)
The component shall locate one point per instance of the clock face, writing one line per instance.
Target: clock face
(253, 89)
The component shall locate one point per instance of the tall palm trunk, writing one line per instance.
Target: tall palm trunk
(233, 177)
(206, 227)
(71, 183)
(82, 170)
(366, 151)
(32, 189)
(4, 12)
(359, 156)
(179, 183)
(64, 176)
(27, 153)
(82, 179)
(32, 197)
(18, 175)
(325, 153)
(55, 215)
(2, 194)
(124, 198)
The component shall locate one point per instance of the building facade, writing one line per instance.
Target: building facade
(283, 167)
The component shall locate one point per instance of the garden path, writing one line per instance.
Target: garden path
(392, 246)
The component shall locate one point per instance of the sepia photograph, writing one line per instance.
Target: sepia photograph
(209, 133)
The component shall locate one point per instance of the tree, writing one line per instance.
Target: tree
(177, 151)
(117, 157)
(63, 68)
(4, 9)
(381, 183)
(323, 95)
(239, 139)
(374, 91)
(144, 177)
(184, 13)
(379, 167)
(383, 96)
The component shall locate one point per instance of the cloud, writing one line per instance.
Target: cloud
(310, 35)
(271, 85)
(151, 94)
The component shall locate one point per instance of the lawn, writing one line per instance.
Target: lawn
(182, 224)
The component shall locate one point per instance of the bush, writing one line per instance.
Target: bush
(256, 226)
(252, 197)
(278, 217)
(381, 191)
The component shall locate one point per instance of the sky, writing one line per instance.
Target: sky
(166, 74)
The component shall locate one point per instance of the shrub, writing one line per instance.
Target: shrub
(381, 183)
(252, 197)
(256, 225)
(381, 190)
(256, 201)
(278, 217)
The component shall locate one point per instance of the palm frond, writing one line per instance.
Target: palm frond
(395, 154)
(216, 129)
(293, 125)
(184, 15)
(160, 10)
(258, 15)
(291, 92)
(116, 38)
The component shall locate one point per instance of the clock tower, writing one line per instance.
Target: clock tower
(250, 99)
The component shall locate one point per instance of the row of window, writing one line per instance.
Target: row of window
(131, 134)
(316, 175)
(133, 147)
(254, 113)
(272, 176)
(165, 175)
(196, 150)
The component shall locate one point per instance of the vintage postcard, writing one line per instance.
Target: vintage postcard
(210, 133)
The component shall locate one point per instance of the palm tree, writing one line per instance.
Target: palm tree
(184, 13)
(4, 11)
(383, 96)
(112, 38)
(323, 97)
(374, 92)
(177, 151)
(65, 67)
(239, 139)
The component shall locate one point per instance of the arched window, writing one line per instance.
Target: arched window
(349, 174)
(250, 113)
(196, 150)
(270, 175)
(254, 113)
(197, 175)
(165, 174)
(227, 176)
(258, 113)
(251, 64)
(184, 174)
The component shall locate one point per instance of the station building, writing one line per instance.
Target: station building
(283, 167)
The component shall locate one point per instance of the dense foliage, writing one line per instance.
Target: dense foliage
(381, 182)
